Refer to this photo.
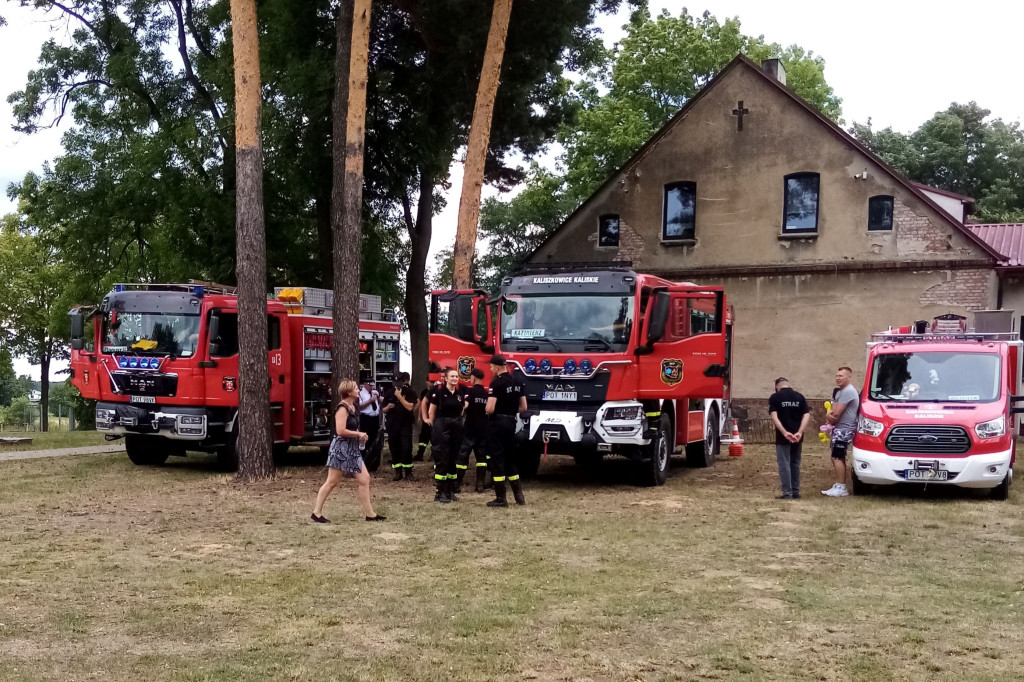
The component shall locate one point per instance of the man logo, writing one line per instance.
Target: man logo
(466, 365)
(671, 371)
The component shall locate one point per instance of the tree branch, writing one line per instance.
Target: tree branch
(190, 74)
(190, 21)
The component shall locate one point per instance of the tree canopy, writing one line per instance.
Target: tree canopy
(962, 150)
(622, 102)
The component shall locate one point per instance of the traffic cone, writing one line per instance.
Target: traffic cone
(735, 441)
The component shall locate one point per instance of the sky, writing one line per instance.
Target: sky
(895, 62)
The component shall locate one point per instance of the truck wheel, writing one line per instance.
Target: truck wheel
(529, 459)
(857, 486)
(703, 454)
(227, 454)
(654, 471)
(146, 450)
(1002, 491)
(281, 450)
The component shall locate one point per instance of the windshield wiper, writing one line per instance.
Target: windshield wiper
(539, 338)
(598, 339)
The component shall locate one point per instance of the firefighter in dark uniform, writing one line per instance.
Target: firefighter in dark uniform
(505, 401)
(399, 407)
(425, 430)
(474, 438)
(447, 402)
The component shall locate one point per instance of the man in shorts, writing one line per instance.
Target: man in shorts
(843, 416)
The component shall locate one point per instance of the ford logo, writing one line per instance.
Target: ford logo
(928, 438)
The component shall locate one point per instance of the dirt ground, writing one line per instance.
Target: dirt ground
(111, 571)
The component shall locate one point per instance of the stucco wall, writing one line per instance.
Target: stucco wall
(805, 326)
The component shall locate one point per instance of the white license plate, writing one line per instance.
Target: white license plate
(141, 399)
(558, 395)
(926, 475)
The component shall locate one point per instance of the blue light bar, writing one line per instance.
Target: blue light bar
(545, 365)
(198, 290)
(531, 365)
(119, 287)
(569, 366)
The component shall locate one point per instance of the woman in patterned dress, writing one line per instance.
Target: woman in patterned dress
(344, 458)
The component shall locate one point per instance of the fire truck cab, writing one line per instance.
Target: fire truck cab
(612, 361)
(939, 405)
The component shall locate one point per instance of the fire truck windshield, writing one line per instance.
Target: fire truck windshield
(151, 334)
(604, 321)
(935, 377)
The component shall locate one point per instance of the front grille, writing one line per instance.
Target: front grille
(928, 439)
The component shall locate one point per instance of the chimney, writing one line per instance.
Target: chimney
(775, 69)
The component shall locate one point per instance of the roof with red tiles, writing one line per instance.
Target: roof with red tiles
(1005, 238)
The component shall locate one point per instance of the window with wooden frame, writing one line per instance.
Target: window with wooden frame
(880, 213)
(679, 220)
(608, 230)
(800, 212)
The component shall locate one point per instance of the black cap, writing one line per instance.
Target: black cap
(497, 360)
(478, 373)
(780, 380)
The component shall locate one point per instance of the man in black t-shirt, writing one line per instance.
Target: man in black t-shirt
(505, 401)
(399, 407)
(790, 415)
(474, 435)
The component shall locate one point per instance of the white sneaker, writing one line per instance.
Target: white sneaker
(838, 490)
(826, 492)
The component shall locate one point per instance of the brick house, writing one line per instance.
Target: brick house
(816, 240)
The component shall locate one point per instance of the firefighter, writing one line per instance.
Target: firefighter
(505, 401)
(425, 429)
(447, 403)
(399, 408)
(474, 437)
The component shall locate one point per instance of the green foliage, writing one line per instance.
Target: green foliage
(660, 64)
(19, 413)
(8, 381)
(960, 150)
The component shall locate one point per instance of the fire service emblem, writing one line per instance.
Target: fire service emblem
(671, 371)
(466, 365)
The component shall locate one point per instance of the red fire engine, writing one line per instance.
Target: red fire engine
(612, 361)
(939, 405)
(162, 362)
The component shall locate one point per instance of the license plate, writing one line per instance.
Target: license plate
(926, 475)
(141, 399)
(558, 395)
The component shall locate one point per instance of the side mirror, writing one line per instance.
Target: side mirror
(659, 308)
(213, 332)
(77, 344)
(77, 325)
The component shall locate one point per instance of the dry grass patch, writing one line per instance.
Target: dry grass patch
(111, 571)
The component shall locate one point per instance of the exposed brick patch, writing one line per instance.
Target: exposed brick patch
(964, 288)
(916, 235)
(631, 244)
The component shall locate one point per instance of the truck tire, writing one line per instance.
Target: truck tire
(703, 454)
(146, 450)
(227, 454)
(857, 486)
(529, 459)
(281, 451)
(1002, 491)
(654, 470)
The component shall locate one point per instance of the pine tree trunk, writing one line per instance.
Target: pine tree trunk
(476, 148)
(44, 390)
(349, 116)
(255, 435)
(415, 285)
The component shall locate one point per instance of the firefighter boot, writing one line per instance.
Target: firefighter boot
(459, 475)
(499, 495)
(517, 491)
(418, 457)
(481, 472)
(398, 474)
(408, 473)
(451, 490)
(442, 491)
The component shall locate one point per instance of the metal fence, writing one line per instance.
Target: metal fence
(757, 430)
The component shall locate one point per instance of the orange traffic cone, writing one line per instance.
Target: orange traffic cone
(735, 442)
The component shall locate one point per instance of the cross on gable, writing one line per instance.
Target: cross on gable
(739, 112)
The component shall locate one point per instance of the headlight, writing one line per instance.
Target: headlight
(631, 412)
(869, 427)
(991, 429)
(189, 419)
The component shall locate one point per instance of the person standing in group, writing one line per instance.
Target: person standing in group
(399, 408)
(474, 437)
(447, 403)
(790, 414)
(425, 429)
(369, 410)
(344, 458)
(505, 401)
(843, 416)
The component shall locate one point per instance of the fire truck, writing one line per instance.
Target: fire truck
(939, 405)
(612, 361)
(162, 362)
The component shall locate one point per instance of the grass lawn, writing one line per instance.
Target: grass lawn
(110, 571)
(52, 439)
